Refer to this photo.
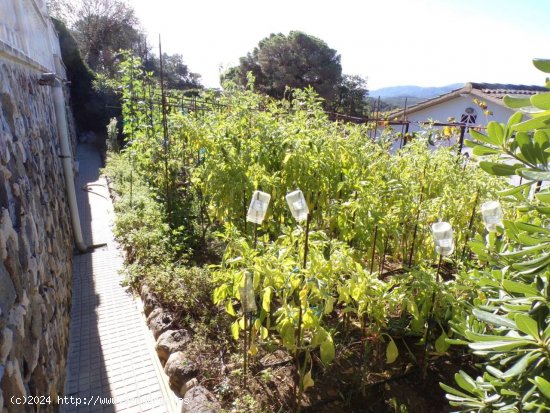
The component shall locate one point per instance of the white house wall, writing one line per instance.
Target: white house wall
(27, 35)
(455, 108)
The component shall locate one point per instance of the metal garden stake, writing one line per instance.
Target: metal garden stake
(444, 244)
(256, 214)
(300, 211)
(248, 301)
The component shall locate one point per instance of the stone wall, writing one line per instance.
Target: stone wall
(35, 242)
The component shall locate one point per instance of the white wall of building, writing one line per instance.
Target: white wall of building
(455, 108)
(27, 35)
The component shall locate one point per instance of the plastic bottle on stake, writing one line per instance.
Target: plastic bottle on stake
(298, 205)
(443, 238)
(258, 207)
(492, 215)
(246, 292)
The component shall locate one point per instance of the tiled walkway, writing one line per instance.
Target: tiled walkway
(112, 366)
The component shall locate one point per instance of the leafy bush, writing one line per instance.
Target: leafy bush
(141, 228)
(140, 221)
(188, 289)
(509, 324)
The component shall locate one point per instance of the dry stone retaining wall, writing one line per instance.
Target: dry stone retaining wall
(35, 242)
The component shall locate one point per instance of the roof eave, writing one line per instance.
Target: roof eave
(488, 97)
(466, 89)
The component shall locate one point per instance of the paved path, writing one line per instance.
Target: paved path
(112, 366)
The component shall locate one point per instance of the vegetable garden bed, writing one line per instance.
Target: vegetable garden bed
(347, 310)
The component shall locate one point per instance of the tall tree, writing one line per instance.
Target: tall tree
(176, 73)
(351, 96)
(297, 60)
(92, 108)
(100, 27)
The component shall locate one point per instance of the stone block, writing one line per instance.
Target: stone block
(12, 385)
(35, 240)
(170, 342)
(7, 290)
(6, 344)
(199, 400)
(180, 370)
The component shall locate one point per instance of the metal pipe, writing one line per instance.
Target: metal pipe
(50, 79)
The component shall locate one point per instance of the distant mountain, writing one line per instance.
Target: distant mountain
(395, 95)
(413, 91)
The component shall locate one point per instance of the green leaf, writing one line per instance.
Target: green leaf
(520, 288)
(496, 131)
(538, 262)
(288, 334)
(495, 372)
(534, 174)
(413, 308)
(456, 342)
(465, 382)
(498, 168)
(523, 226)
(392, 352)
(470, 144)
(441, 344)
(525, 251)
(531, 124)
(542, 64)
(543, 210)
(470, 335)
(541, 100)
(229, 308)
(452, 391)
(543, 385)
(327, 350)
(515, 102)
(484, 138)
(514, 190)
(529, 240)
(493, 318)
(542, 143)
(235, 330)
(541, 137)
(526, 147)
(266, 300)
(308, 381)
(541, 114)
(480, 150)
(498, 345)
(543, 196)
(527, 325)
(515, 118)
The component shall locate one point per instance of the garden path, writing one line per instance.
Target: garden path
(112, 366)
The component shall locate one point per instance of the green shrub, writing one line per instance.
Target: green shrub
(509, 324)
(188, 288)
(140, 221)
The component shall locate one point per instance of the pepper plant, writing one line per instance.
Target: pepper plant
(370, 206)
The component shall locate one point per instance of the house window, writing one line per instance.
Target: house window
(469, 116)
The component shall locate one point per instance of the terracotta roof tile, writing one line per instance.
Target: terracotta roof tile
(499, 90)
(493, 92)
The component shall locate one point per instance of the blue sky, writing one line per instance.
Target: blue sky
(390, 42)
